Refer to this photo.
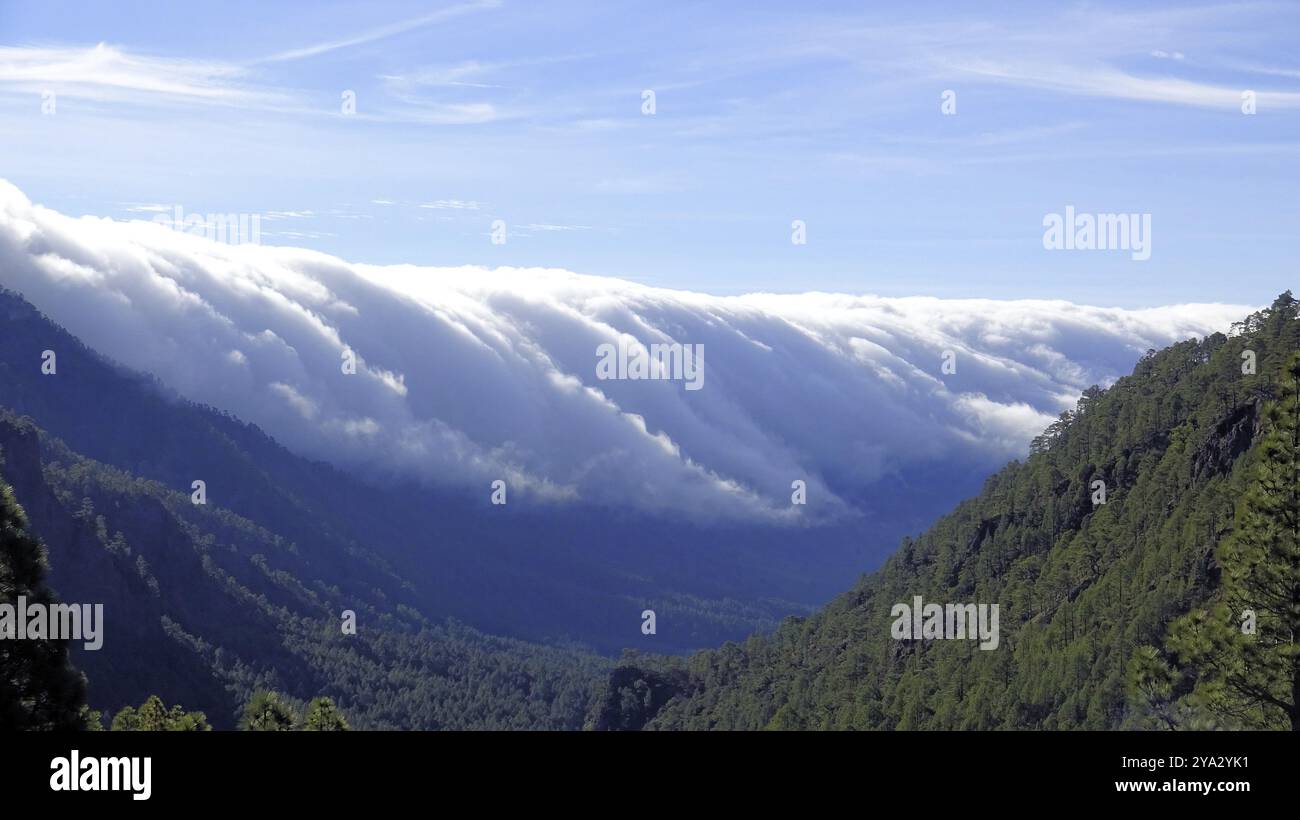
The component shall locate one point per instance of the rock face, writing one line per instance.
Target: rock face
(1230, 438)
(634, 696)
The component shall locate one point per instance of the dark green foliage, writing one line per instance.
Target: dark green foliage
(1236, 662)
(270, 711)
(39, 690)
(267, 712)
(208, 607)
(634, 694)
(1080, 587)
(324, 716)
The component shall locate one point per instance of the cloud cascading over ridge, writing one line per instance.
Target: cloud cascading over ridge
(466, 374)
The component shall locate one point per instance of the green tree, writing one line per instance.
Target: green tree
(39, 689)
(324, 716)
(1243, 651)
(267, 712)
(154, 716)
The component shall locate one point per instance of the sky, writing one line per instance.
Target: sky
(533, 113)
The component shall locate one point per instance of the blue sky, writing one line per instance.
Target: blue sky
(531, 112)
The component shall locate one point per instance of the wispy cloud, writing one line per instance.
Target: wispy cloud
(1266, 70)
(105, 72)
(415, 110)
(474, 73)
(831, 117)
(542, 226)
(148, 208)
(452, 205)
(1078, 51)
(1118, 84)
(383, 32)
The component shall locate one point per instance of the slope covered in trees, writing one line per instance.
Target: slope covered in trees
(39, 690)
(1235, 662)
(1085, 589)
(205, 607)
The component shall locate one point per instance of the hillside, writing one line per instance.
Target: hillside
(1081, 586)
(39, 690)
(203, 607)
(208, 603)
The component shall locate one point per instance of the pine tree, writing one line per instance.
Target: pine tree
(38, 687)
(267, 712)
(324, 716)
(1243, 652)
(154, 716)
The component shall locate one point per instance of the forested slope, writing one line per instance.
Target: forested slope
(204, 607)
(39, 690)
(1081, 586)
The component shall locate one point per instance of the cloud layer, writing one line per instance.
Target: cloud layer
(466, 375)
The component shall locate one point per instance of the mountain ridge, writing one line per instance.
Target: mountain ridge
(1081, 585)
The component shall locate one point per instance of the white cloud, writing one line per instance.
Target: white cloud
(305, 406)
(1114, 83)
(451, 205)
(107, 73)
(466, 374)
(384, 32)
(542, 226)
